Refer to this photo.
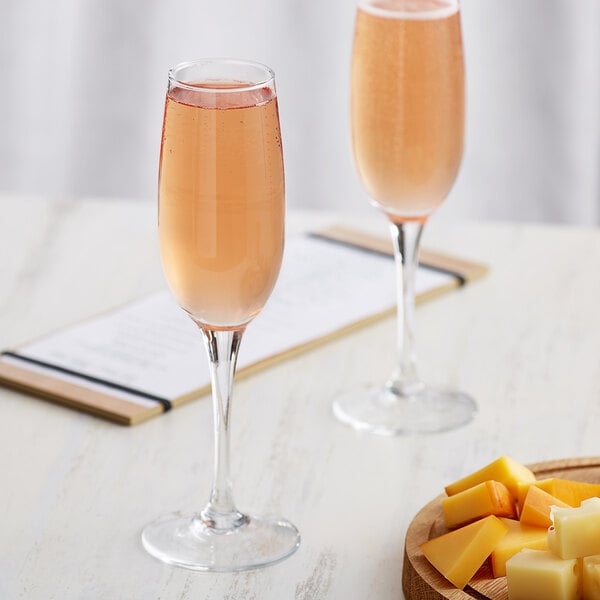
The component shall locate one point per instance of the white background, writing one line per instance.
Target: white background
(83, 84)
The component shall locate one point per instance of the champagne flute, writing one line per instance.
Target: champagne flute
(407, 117)
(221, 234)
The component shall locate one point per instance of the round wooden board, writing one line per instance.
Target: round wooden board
(420, 581)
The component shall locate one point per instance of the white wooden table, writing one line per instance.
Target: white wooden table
(75, 490)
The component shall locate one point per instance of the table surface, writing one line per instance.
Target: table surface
(76, 490)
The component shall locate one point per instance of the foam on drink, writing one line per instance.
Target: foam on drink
(410, 9)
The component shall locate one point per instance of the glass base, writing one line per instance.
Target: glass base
(382, 411)
(185, 541)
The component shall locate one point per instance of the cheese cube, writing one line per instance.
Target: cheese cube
(487, 498)
(522, 489)
(571, 492)
(540, 575)
(536, 507)
(458, 554)
(591, 577)
(504, 469)
(519, 536)
(576, 531)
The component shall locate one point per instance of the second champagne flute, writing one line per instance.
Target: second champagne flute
(221, 232)
(407, 113)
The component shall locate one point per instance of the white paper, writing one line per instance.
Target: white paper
(152, 346)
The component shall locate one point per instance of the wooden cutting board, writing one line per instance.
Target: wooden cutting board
(420, 581)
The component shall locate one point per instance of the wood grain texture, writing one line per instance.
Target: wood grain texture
(76, 396)
(470, 270)
(421, 581)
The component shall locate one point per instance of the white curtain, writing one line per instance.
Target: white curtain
(533, 143)
(83, 84)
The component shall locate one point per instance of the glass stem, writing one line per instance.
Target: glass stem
(406, 238)
(222, 347)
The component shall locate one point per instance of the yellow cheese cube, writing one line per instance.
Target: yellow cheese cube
(591, 577)
(504, 469)
(487, 498)
(540, 575)
(536, 507)
(519, 536)
(457, 555)
(575, 531)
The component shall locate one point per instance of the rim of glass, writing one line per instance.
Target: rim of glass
(199, 87)
(446, 9)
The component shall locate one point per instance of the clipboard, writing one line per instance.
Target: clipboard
(38, 368)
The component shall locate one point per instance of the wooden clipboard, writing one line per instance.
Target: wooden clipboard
(25, 376)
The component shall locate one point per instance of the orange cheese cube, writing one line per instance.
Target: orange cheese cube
(487, 498)
(504, 469)
(518, 536)
(536, 507)
(457, 555)
(522, 489)
(573, 493)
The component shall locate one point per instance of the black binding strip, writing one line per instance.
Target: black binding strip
(116, 386)
(462, 280)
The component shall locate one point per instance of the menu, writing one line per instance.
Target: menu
(144, 358)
